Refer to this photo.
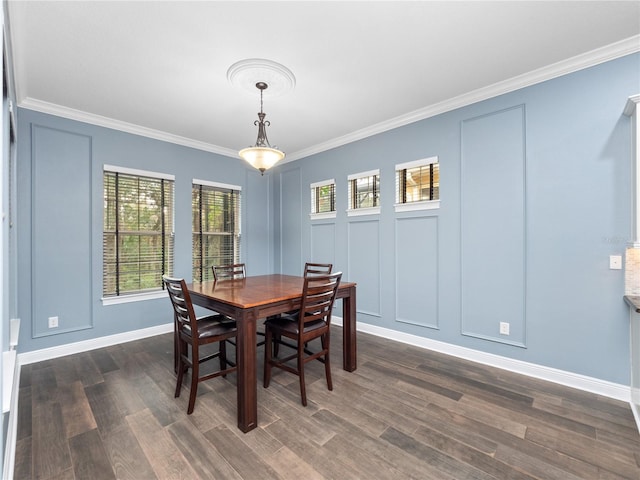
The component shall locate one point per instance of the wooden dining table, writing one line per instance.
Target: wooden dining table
(253, 298)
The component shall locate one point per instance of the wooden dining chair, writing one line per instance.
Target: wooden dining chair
(317, 268)
(231, 271)
(310, 269)
(312, 321)
(195, 332)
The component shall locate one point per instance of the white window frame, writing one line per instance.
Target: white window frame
(323, 215)
(351, 211)
(420, 205)
(136, 297)
(224, 186)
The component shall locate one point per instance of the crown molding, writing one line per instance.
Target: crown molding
(630, 107)
(580, 62)
(79, 115)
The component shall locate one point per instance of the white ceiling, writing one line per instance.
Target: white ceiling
(159, 68)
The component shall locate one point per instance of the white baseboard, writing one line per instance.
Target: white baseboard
(636, 415)
(568, 379)
(12, 427)
(86, 345)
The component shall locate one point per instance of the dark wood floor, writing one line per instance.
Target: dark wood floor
(405, 413)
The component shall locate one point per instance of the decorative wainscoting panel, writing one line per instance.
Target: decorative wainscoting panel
(364, 264)
(61, 270)
(493, 226)
(323, 243)
(290, 211)
(417, 271)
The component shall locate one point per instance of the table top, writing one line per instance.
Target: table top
(253, 291)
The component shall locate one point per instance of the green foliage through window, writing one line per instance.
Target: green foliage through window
(323, 198)
(138, 233)
(216, 229)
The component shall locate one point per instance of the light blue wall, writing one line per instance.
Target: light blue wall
(59, 185)
(535, 195)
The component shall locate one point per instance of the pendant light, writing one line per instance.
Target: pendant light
(262, 156)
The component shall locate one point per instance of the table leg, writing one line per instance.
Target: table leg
(246, 359)
(349, 331)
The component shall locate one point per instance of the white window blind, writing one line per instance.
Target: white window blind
(138, 231)
(216, 227)
(364, 190)
(323, 197)
(418, 181)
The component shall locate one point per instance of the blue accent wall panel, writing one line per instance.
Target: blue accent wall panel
(290, 211)
(364, 264)
(323, 243)
(493, 225)
(61, 251)
(417, 271)
(257, 233)
(59, 224)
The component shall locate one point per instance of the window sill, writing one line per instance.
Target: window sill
(321, 216)
(354, 212)
(414, 206)
(138, 297)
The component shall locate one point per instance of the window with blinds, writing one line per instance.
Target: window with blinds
(138, 233)
(418, 183)
(364, 191)
(323, 198)
(216, 227)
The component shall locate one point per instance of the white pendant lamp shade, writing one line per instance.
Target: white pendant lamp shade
(262, 158)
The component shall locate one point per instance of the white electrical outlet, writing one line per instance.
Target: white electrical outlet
(53, 322)
(615, 262)
(504, 328)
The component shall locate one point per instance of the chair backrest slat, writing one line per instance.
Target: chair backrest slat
(317, 268)
(181, 302)
(318, 295)
(231, 271)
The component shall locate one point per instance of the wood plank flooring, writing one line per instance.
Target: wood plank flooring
(405, 413)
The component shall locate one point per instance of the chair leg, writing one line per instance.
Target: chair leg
(195, 374)
(222, 347)
(180, 368)
(276, 345)
(267, 358)
(327, 366)
(303, 391)
(176, 350)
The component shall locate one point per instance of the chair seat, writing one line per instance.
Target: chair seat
(290, 324)
(212, 326)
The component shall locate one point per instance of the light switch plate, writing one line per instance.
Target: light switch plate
(615, 262)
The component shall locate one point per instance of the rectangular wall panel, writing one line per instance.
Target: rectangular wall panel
(364, 264)
(257, 225)
(290, 212)
(493, 225)
(323, 243)
(61, 188)
(417, 271)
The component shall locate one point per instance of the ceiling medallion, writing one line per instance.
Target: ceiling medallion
(245, 74)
